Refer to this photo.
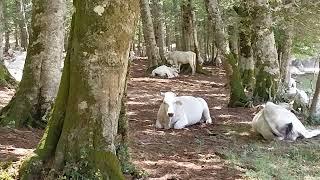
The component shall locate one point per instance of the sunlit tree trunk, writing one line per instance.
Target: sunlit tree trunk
(42, 69)
(267, 66)
(149, 38)
(82, 130)
(237, 95)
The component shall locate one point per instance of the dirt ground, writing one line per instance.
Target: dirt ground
(192, 153)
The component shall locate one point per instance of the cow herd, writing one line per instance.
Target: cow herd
(272, 122)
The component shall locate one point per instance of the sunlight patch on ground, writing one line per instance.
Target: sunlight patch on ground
(11, 151)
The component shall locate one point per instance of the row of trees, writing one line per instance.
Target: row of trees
(256, 39)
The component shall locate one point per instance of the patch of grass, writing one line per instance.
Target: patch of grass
(277, 160)
(6, 172)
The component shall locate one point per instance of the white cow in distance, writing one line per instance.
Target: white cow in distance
(276, 122)
(165, 71)
(180, 111)
(177, 58)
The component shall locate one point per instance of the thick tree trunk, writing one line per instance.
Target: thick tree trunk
(42, 71)
(267, 66)
(149, 38)
(246, 62)
(237, 95)
(24, 36)
(80, 137)
(158, 24)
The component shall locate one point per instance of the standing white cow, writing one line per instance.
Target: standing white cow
(177, 58)
(181, 111)
(276, 122)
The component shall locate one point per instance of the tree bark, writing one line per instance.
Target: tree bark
(24, 36)
(149, 38)
(246, 62)
(158, 24)
(315, 100)
(79, 142)
(267, 66)
(175, 10)
(187, 26)
(6, 80)
(42, 70)
(6, 27)
(286, 45)
(237, 95)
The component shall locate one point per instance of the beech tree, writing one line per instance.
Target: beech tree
(79, 142)
(237, 95)
(42, 70)
(267, 65)
(149, 37)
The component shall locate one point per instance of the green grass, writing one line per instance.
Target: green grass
(277, 160)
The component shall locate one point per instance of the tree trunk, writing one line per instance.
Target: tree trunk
(149, 38)
(267, 67)
(237, 95)
(175, 10)
(187, 29)
(246, 62)
(16, 44)
(6, 28)
(168, 38)
(315, 101)
(79, 142)
(140, 43)
(24, 36)
(158, 24)
(42, 70)
(6, 80)
(286, 45)
(233, 40)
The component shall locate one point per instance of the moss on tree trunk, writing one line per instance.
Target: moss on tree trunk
(79, 141)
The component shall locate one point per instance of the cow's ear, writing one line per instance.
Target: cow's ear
(162, 94)
(179, 103)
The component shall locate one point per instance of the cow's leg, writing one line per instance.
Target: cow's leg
(181, 123)
(193, 67)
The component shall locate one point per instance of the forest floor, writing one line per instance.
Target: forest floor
(226, 149)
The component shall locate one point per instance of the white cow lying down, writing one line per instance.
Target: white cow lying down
(181, 111)
(165, 71)
(177, 58)
(276, 122)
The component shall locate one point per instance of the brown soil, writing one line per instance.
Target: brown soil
(192, 153)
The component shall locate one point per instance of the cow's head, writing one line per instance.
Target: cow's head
(169, 102)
